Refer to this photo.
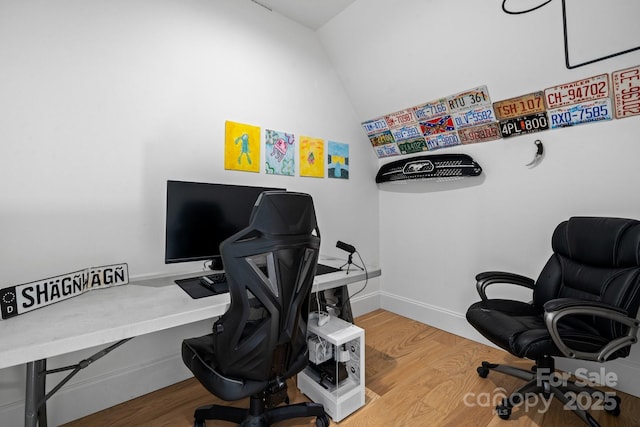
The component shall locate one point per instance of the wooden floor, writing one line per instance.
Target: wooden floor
(416, 375)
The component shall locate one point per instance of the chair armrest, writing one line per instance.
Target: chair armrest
(484, 279)
(561, 307)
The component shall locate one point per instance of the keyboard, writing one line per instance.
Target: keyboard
(216, 282)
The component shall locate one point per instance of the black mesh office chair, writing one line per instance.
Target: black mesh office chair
(261, 340)
(584, 307)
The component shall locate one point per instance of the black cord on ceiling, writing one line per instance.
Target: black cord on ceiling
(510, 12)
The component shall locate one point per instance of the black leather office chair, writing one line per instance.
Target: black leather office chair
(261, 340)
(585, 304)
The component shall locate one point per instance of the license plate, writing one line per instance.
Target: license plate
(482, 133)
(415, 145)
(442, 140)
(381, 138)
(524, 125)
(406, 132)
(437, 125)
(387, 150)
(474, 98)
(431, 109)
(626, 92)
(580, 113)
(474, 117)
(400, 118)
(374, 126)
(519, 106)
(577, 92)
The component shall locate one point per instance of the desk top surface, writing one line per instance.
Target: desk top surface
(106, 315)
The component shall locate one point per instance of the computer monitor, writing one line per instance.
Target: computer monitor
(200, 216)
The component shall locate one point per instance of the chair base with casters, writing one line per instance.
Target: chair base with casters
(540, 380)
(259, 415)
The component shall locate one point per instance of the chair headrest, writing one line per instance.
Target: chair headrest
(599, 241)
(284, 213)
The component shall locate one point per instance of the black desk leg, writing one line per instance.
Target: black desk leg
(35, 411)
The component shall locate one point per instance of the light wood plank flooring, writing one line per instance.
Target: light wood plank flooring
(416, 375)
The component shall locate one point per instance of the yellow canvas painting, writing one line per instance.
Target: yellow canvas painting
(241, 147)
(311, 157)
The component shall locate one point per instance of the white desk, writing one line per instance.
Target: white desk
(112, 315)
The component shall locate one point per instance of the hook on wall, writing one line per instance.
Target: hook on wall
(539, 154)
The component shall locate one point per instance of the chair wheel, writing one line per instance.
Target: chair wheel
(503, 411)
(199, 423)
(482, 371)
(322, 421)
(615, 411)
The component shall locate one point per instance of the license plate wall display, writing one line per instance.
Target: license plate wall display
(387, 150)
(442, 140)
(437, 125)
(474, 117)
(431, 109)
(626, 92)
(415, 145)
(581, 113)
(524, 125)
(482, 133)
(382, 138)
(375, 126)
(400, 118)
(20, 299)
(469, 99)
(577, 92)
(520, 106)
(406, 132)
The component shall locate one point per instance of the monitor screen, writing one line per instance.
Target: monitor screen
(200, 216)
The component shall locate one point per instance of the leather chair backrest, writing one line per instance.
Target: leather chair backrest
(595, 259)
(270, 267)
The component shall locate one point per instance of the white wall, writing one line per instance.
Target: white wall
(435, 237)
(102, 102)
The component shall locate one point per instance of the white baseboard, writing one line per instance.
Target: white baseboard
(627, 370)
